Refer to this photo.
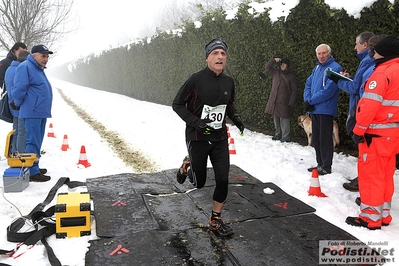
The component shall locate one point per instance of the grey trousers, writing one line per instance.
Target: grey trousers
(282, 126)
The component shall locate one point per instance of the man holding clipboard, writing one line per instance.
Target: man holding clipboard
(352, 86)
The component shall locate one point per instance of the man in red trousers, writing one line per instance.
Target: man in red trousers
(377, 134)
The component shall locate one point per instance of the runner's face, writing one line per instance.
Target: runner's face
(217, 60)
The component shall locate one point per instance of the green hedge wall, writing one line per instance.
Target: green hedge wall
(154, 69)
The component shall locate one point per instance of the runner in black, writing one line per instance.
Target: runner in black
(203, 102)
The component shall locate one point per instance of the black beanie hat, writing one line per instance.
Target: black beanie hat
(285, 61)
(387, 46)
(215, 44)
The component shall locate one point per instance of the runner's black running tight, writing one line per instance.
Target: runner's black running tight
(218, 153)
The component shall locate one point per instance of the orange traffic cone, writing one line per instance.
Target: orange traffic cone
(65, 145)
(232, 147)
(228, 131)
(314, 189)
(50, 131)
(83, 158)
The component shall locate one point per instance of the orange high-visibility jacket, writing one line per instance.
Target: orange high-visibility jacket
(378, 109)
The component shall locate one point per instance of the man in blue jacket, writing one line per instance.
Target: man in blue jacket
(353, 87)
(19, 136)
(33, 96)
(321, 100)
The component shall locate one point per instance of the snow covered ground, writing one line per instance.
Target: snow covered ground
(158, 133)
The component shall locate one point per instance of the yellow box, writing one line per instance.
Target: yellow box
(72, 214)
(18, 160)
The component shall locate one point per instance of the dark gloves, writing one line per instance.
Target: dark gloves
(13, 106)
(358, 139)
(239, 124)
(203, 128)
(368, 138)
(308, 107)
(334, 78)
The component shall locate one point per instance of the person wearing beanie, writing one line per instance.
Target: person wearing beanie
(377, 135)
(282, 96)
(203, 102)
(387, 47)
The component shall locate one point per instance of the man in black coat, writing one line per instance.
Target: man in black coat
(11, 56)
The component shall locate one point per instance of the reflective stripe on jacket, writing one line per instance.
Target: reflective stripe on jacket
(378, 109)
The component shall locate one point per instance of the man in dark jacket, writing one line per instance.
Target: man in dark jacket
(203, 102)
(11, 56)
(282, 97)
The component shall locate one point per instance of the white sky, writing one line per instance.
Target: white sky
(104, 25)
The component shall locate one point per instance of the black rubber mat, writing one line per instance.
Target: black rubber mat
(189, 247)
(248, 201)
(175, 212)
(150, 219)
(306, 231)
(118, 209)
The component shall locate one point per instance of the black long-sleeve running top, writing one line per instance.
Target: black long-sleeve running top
(206, 95)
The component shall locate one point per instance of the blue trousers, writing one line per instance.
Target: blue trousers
(19, 136)
(35, 128)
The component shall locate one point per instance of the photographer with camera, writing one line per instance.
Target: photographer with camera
(282, 96)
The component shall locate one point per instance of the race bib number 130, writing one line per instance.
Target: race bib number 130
(215, 114)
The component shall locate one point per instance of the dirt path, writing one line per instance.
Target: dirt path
(135, 159)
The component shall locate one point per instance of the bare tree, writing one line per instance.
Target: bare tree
(197, 7)
(177, 12)
(34, 21)
(172, 16)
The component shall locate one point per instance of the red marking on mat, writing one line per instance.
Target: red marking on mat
(118, 203)
(119, 250)
(240, 178)
(282, 205)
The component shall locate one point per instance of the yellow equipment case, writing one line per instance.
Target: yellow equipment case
(20, 159)
(72, 213)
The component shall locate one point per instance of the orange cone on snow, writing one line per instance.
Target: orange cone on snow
(232, 147)
(65, 145)
(83, 158)
(314, 189)
(228, 131)
(50, 133)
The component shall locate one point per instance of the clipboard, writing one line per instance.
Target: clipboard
(332, 72)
